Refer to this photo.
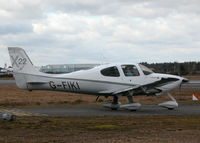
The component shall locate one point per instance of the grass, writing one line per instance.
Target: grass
(17, 97)
(193, 77)
(102, 129)
(21, 98)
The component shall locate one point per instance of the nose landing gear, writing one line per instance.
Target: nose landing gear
(169, 104)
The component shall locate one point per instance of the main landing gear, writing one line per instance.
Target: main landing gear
(169, 104)
(115, 104)
(133, 106)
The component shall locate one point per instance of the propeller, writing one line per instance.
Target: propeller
(184, 80)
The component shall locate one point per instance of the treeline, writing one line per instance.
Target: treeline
(186, 68)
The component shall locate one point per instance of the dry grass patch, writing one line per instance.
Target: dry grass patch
(11, 95)
(116, 129)
(104, 127)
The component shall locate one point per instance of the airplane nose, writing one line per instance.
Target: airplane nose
(184, 80)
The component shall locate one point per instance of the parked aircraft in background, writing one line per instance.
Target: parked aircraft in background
(3, 70)
(6, 71)
(116, 80)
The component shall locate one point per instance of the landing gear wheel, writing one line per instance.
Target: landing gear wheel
(170, 105)
(133, 110)
(131, 106)
(114, 105)
(170, 108)
(114, 109)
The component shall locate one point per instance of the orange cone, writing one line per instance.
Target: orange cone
(195, 96)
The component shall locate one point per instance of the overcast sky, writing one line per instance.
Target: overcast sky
(96, 31)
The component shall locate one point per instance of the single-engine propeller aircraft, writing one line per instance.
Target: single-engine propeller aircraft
(118, 79)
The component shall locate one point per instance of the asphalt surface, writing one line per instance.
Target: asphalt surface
(194, 84)
(7, 82)
(100, 111)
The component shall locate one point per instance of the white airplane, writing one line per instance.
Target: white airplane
(119, 79)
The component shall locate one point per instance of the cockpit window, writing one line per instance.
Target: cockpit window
(145, 70)
(130, 70)
(111, 71)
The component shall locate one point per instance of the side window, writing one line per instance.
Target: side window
(130, 70)
(111, 71)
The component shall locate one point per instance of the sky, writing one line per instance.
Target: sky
(101, 31)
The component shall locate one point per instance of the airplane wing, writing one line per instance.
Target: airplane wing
(114, 92)
(151, 88)
(161, 82)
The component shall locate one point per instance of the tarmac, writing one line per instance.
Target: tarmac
(100, 111)
(152, 110)
(7, 82)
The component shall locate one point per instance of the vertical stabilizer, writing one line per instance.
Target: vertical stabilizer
(20, 61)
(22, 66)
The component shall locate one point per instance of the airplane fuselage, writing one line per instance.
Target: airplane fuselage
(92, 81)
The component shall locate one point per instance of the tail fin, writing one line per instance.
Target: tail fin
(22, 66)
(20, 61)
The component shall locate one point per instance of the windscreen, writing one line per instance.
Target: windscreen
(130, 70)
(145, 70)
